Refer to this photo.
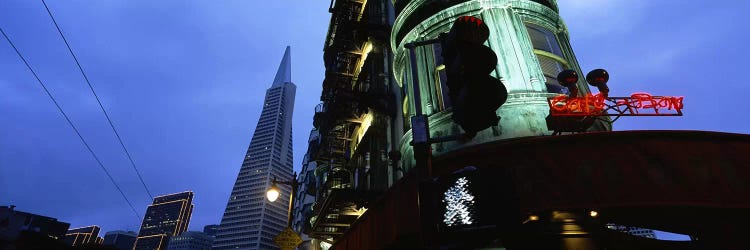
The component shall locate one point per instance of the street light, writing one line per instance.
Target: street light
(593, 213)
(273, 193)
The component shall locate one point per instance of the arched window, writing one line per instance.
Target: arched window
(549, 54)
(440, 79)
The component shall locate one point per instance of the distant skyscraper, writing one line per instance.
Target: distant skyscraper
(168, 216)
(211, 229)
(122, 240)
(191, 240)
(250, 221)
(83, 236)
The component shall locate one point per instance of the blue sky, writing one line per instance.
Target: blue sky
(184, 82)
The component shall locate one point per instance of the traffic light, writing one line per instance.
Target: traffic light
(474, 93)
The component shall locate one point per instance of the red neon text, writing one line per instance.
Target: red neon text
(638, 104)
(646, 101)
(589, 104)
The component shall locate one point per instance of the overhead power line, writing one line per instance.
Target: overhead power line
(70, 122)
(132, 163)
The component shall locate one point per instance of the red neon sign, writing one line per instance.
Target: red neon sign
(638, 104)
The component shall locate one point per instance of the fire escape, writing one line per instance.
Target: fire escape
(337, 117)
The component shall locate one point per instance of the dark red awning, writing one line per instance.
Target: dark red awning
(679, 181)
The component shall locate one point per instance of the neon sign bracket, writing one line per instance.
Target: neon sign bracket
(598, 105)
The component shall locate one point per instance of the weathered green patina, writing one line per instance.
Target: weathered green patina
(519, 66)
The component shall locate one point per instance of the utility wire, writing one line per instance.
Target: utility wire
(70, 123)
(132, 163)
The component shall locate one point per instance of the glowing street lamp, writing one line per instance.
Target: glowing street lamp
(593, 213)
(273, 194)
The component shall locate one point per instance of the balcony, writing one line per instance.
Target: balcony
(336, 213)
(320, 116)
(345, 14)
(351, 75)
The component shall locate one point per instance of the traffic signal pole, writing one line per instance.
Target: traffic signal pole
(420, 141)
(419, 123)
(420, 127)
(478, 95)
(423, 154)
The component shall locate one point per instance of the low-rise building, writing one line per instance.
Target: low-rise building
(191, 240)
(82, 236)
(122, 240)
(13, 223)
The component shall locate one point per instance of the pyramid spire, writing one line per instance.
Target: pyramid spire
(284, 74)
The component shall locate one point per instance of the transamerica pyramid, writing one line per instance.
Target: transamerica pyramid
(250, 221)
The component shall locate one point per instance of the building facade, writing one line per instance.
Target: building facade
(211, 229)
(191, 240)
(84, 236)
(250, 221)
(502, 188)
(368, 96)
(122, 240)
(532, 46)
(363, 120)
(169, 215)
(354, 157)
(304, 199)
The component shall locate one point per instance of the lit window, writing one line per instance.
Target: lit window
(543, 39)
(441, 79)
(550, 56)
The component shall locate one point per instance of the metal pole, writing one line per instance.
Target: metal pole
(293, 183)
(421, 143)
(415, 79)
(420, 128)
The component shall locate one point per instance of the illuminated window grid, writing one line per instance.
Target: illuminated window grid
(82, 238)
(161, 239)
(169, 215)
(181, 224)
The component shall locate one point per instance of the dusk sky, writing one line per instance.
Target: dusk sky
(184, 83)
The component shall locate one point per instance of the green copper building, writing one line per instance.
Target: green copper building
(516, 185)
(532, 46)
